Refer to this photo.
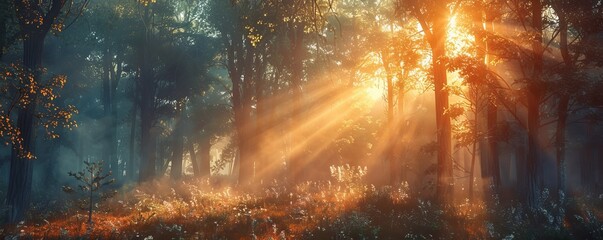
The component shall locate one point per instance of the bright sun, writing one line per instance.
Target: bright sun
(458, 41)
(374, 92)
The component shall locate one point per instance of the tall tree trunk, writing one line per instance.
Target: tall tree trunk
(130, 172)
(3, 29)
(491, 107)
(147, 105)
(399, 141)
(115, 168)
(264, 157)
(108, 141)
(472, 168)
(563, 105)
(241, 101)
(562, 109)
(492, 122)
(445, 180)
(246, 131)
(21, 167)
(533, 108)
(392, 134)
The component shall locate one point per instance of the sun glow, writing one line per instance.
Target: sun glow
(374, 92)
(459, 41)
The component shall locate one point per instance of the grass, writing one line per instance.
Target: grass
(194, 209)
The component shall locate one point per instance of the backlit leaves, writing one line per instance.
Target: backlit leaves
(147, 2)
(19, 88)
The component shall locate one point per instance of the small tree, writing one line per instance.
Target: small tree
(92, 180)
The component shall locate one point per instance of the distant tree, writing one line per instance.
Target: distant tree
(245, 29)
(577, 23)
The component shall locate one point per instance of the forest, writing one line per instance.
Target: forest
(301, 119)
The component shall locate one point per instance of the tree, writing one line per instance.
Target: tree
(93, 179)
(575, 26)
(433, 18)
(146, 91)
(35, 21)
(245, 30)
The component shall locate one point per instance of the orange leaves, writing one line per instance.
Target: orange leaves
(19, 89)
(8, 132)
(146, 2)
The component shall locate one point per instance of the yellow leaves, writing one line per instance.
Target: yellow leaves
(58, 26)
(20, 88)
(253, 36)
(147, 2)
(47, 93)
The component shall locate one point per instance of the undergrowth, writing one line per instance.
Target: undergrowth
(194, 209)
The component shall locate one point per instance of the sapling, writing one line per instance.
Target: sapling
(92, 181)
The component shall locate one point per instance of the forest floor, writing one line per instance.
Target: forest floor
(195, 209)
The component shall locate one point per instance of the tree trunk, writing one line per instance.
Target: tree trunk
(445, 180)
(3, 30)
(562, 107)
(472, 170)
(193, 155)
(492, 121)
(21, 168)
(533, 108)
(108, 140)
(491, 108)
(560, 141)
(115, 168)
(178, 149)
(130, 172)
(204, 157)
(392, 134)
(399, 141)
(147, 104)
